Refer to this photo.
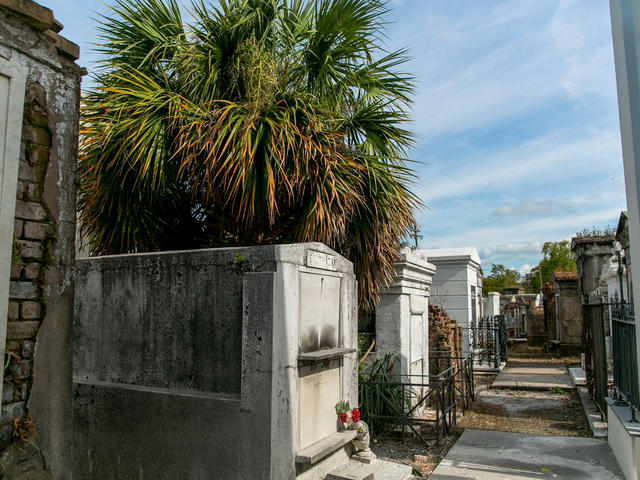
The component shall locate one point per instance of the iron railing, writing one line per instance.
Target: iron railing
(594, 318)
(425, 400)
(489, 341)
(625, 360)
(464, 378)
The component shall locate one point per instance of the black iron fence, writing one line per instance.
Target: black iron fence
(625, 360)
(425, 405)
(440, 361)
(489, 340)
(594, 318)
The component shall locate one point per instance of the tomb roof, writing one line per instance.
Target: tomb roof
(450, 254)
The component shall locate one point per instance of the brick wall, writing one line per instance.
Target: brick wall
(33, 236)
(445, 339)
(35, 422)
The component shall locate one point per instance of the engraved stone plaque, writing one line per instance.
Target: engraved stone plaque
(321, 260)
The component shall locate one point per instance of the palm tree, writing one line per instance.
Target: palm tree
(264, 121)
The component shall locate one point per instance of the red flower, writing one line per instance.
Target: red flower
(343, 417)
(355, 415)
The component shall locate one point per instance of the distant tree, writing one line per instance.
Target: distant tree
(499, 278)
(557, 256)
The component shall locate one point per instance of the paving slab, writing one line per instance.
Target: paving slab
(578, 376)
(534, 377)
(378, 470)
(597, 425)
(488, 455)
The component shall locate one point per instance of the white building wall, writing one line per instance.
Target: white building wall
(456, 272)
(625, 22)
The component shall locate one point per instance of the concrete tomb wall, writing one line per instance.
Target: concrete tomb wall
(491, 304)
(402, 315)
(220, 363)
(39, 101)
(457, 286)
(593, 256)
(568, 311)
(625, 17)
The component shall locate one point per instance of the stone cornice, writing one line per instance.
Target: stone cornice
(412, 273)
(456, 261)
(42, 19)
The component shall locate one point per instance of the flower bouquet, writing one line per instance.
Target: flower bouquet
(350, 419)
(347, 416)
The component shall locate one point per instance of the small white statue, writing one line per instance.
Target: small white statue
(351, 421)
(361, 443)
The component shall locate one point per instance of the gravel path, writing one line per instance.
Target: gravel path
(554, 411)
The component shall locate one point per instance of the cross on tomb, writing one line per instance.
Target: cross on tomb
(415, 236)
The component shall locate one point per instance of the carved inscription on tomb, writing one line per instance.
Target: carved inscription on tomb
(321, 260)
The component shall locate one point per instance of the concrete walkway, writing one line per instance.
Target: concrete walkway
(533, 376)
(498, 455)
(487, 455)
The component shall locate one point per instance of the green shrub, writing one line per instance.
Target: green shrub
(380, 394)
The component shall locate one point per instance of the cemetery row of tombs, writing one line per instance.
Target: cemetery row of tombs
(261, 351)
(249, 363)
(221, 363)
(257, 350)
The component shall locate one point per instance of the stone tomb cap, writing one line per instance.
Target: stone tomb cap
(468, 254)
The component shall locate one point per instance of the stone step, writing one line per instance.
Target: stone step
(378, 470)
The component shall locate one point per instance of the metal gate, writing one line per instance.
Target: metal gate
(489, 341)
(594, 317)
(625, 366)
(411, 403)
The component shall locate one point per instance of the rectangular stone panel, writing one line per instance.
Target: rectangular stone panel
(321, 260)
(319, 326)
(417, 337)
(171, 320)
(319, 391)
(416, 371)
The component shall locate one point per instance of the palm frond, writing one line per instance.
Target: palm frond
(263, 121)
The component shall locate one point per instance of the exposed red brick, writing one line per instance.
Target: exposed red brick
(34, 230)
(31, 310)
(30, 211)
(29, 249)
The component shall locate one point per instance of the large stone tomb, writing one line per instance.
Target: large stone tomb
(213, 364)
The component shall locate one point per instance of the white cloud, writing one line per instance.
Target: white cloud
(478, 65)
(524, 269)
(543, 159)
(522, 247)
(503, 252)
(536, 208)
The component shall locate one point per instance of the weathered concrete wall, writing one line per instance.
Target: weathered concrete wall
(457, 276)
(41, 289)
(625, 17)
(402, 315)
(569, 311)
(537, 334)
(173, 321)
(593, 255)
(186, 363)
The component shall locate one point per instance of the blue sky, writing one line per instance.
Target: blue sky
(515, 113)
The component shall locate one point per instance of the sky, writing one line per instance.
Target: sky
(515, 116)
